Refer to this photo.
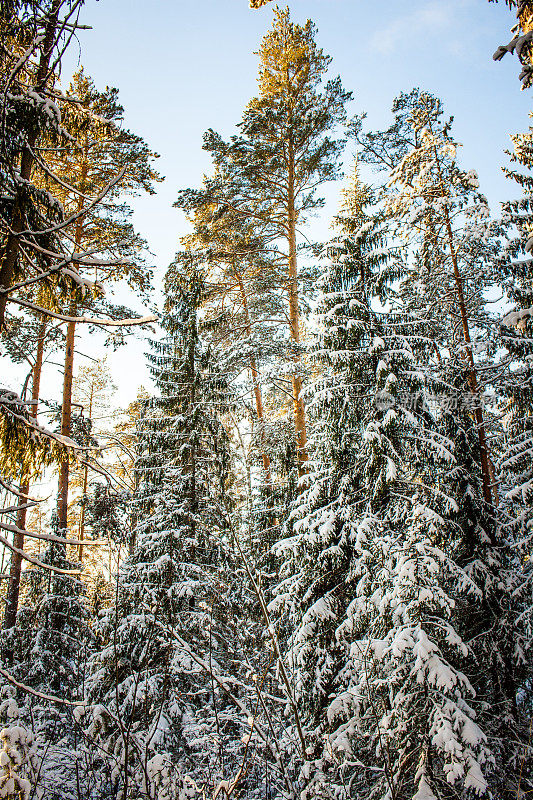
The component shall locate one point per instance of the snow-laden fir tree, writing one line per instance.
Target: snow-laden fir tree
(20, 764)
(370, 591)
(516, 387)
(47, 650)
(438, 214)
(164, 722)
(52, 643)
(346, 358)
(517, 273)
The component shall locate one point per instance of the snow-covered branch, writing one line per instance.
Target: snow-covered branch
(36, 561)
(49, 537)
(115, 323)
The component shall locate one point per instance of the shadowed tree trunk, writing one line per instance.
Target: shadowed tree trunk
(255, 377)
(294, 321)
(13, 590)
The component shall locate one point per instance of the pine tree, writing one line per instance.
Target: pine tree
(103, 152)
(60, 183)
(287, 148)
(18, 349)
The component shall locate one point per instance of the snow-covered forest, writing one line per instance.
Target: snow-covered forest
(298, 564)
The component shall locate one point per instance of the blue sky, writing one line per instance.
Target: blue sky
(182, 67)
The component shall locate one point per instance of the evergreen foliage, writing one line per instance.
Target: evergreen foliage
(289, 145)
(173, 589)
(302, 568)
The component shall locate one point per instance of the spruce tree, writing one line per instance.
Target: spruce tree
(520, 44)
(173, 590)
(439, 213)
(515, 266)
(376, 651)
(442, 220)
(515, 465)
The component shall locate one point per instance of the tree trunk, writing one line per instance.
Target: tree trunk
(66, 407)
(294, 320)
(66, 420)
(8, 267)
(13, 589)
(81, 529)
(489, 491)
(255, 377)
(59, 549)
(81, 526)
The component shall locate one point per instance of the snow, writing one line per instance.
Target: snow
(424, 791)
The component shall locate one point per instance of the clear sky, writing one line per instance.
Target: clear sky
(182, 67)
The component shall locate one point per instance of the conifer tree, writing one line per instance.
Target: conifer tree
(336, 399)
(242, 310)
(34, 39)
(244, 320)
(515, 387)
(35, 199)
(287, 148)
(172, 592)
(103, 152)
(515, 266)
(439, 214)
(20, 762)
(437, 207)
(376, 646)
(13, 589)
(520, 44)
